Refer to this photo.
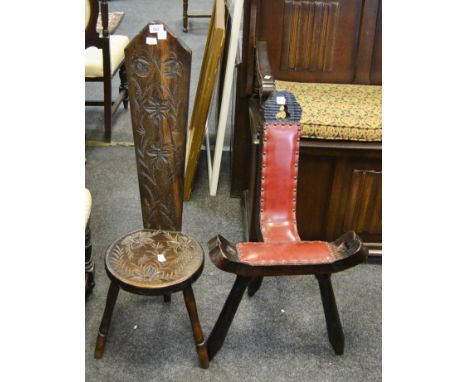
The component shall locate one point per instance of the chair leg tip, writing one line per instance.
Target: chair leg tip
(100, 346)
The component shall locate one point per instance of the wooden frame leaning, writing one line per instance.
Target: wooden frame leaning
(206, 83)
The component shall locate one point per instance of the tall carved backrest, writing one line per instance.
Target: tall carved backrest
(329, 41)
(158, 67)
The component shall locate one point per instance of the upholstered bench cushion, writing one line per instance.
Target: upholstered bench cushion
(338, 111)
(87, 205)
(93, 56)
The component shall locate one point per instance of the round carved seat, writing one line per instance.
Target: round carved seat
(154, 262)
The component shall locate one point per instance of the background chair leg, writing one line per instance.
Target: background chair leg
(184, 15)
(167, 298)
(335, 331)
(106, 320)
(107, 109)
(254, 286)
(196, 327)
(124, 84)
(219, 332)
(89, 265)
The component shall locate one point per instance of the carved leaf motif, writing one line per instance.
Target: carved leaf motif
(159, 154)
(137, 256)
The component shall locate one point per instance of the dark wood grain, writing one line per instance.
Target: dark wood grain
(333, 41)
(159, 79)
(159, 259)
(106, 319)
(254, 286)
(196, 327)
(221, 328)
(332, 317)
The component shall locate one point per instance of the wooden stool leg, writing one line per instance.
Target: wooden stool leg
(106, 319)
(167, 298)
(184, 15)
(219, 332)
(335, 331)
(196, 327)
(254, 286)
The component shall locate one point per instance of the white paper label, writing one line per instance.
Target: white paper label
(151, 40)
(281, 100)
(161, 258)
(162, 35)
(155, 28)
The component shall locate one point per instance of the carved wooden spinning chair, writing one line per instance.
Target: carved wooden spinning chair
(104, 56)
(282, 252)
(158, 260)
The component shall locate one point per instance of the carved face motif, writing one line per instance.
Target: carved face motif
(141, 67)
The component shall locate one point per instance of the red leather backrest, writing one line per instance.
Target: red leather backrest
(279, 182)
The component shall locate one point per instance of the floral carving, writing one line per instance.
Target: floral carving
(157, 108)
(157, 76)
(154, 256)
(159, 154)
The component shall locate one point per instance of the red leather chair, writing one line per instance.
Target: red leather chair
(282, 251)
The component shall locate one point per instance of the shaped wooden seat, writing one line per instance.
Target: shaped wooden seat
(159, 259)
(154, 262)
(282, 251)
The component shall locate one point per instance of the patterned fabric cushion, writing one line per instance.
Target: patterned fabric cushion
(338, 111)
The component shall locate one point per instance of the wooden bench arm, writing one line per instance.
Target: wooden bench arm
(265, 78)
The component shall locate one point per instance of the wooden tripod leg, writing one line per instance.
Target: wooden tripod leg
(196, 327)
(254, 286)
(219, 332)
(106, 319)
(335, 331)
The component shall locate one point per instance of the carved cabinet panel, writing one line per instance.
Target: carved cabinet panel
(338, 191)
(159, 77)
(311, 40)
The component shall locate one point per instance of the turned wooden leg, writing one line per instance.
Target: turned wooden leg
(167, 298)
(196, 327)
(184, 15)
(219, 332)
(106, 320)
(124, 84)
(335, 331)
(89, 265)
(254, 286)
